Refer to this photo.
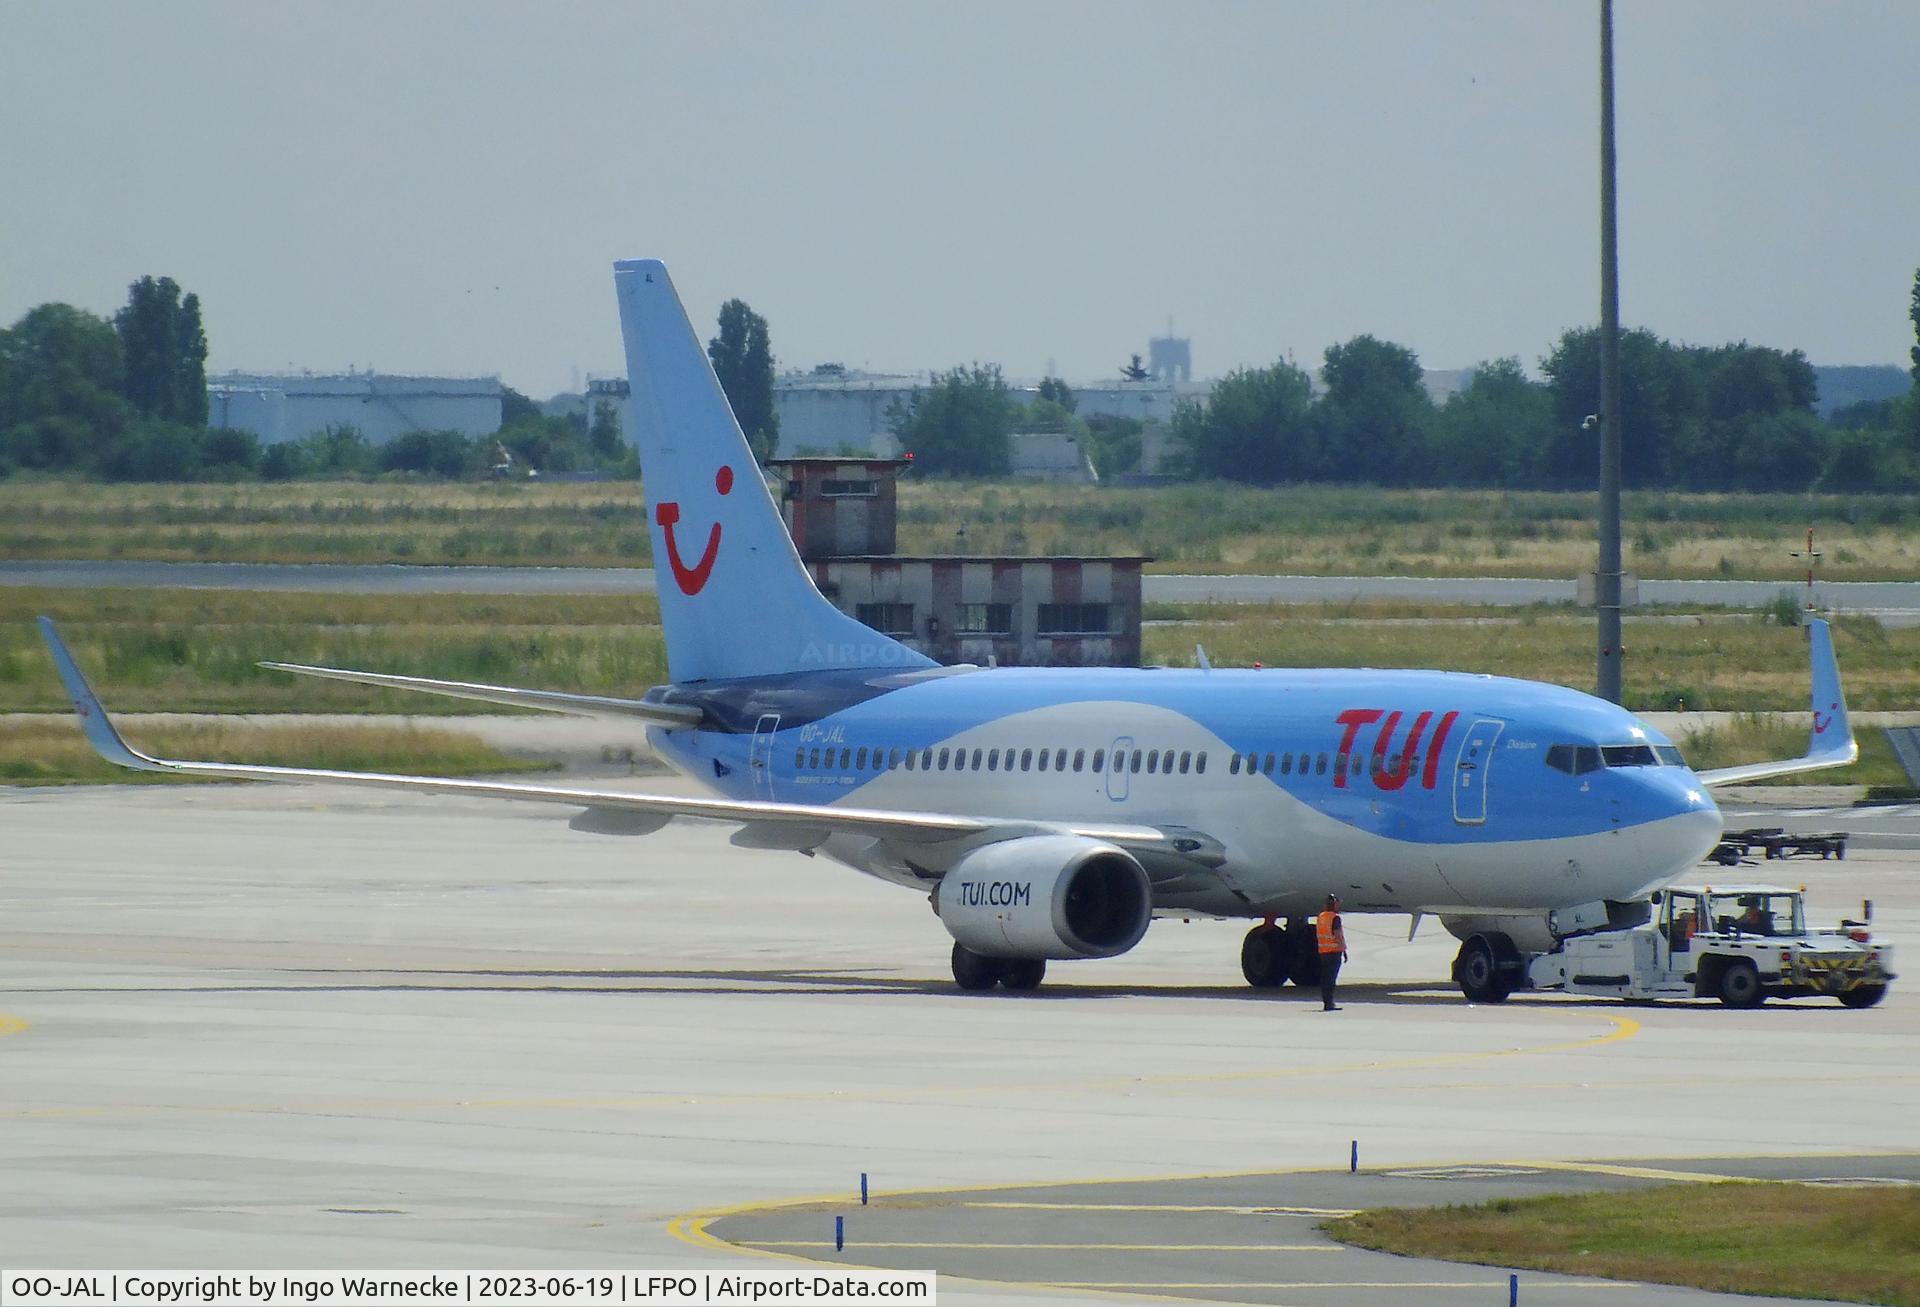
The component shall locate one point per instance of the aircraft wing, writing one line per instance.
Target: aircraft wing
(579, 705)
(1831, 742)
(769, 825)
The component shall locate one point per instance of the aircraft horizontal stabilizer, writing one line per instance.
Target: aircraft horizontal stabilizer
(1829, 744)
(579, 705)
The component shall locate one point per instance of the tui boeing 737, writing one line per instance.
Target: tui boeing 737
(1051, 813)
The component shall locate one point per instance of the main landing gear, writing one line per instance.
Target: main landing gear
(1272, 955)
(977, 971)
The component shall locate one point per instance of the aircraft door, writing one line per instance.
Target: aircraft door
(1117, 768)
(1471, 772)
(760, 755)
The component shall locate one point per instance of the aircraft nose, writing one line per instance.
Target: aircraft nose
(1693, 826)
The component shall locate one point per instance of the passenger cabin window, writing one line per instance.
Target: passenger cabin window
(1320, 766)
(1059, 759)
(1079, 758)
(1200, 763)
(1026, 760)
(1233, 766)
(1099, 757)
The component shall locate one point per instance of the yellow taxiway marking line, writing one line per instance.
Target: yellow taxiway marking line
(11, 1025)
(1636, 1172)
(1069, 1247)
(1169, 1207)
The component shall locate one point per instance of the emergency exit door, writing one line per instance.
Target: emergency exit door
(1471, 769)
(1117, 775)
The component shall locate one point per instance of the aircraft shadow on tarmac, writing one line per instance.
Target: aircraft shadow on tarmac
(811, 982)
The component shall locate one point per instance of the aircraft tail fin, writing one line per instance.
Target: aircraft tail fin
(735, 599)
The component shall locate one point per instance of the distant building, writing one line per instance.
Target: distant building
(287, 406)
(1170, 358)
(831, 409)
(1056, 611)
(1050, 456)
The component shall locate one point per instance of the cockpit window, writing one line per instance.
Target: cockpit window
(1579, 759)
(1574, 759)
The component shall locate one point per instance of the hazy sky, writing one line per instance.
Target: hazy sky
(436, 187)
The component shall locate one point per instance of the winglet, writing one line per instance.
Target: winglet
(1830, 743)
(1832, 729)
(94, 721)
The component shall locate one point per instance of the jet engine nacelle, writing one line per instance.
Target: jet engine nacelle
(1046, 896)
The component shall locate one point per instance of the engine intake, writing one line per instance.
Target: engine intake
(1046, 896)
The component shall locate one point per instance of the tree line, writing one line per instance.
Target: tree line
(1723, 417)
(126, 400)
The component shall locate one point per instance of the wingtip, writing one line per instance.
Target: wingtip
(92, 714)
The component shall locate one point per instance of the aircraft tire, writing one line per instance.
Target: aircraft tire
(975, 971)
(1477, 969)
(1265, 957)
(1303, 969)
(1739, 985)
(1863, 995)
(1023, 974)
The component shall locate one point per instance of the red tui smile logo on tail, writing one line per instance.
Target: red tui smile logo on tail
(692, 580)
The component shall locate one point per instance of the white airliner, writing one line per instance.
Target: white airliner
(1051, 813)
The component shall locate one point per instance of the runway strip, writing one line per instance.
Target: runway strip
(1895, 602)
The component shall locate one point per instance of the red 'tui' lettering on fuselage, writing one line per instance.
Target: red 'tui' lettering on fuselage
(1392, 776)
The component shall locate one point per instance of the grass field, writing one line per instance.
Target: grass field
(192, 651)
(1740, 662)
(52, 751)
(1208, 528)
(1783, 1240)
(197, 651)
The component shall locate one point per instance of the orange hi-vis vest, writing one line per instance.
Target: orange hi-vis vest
(1332, 938)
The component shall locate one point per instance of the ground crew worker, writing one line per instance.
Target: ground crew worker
(1333, 950)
